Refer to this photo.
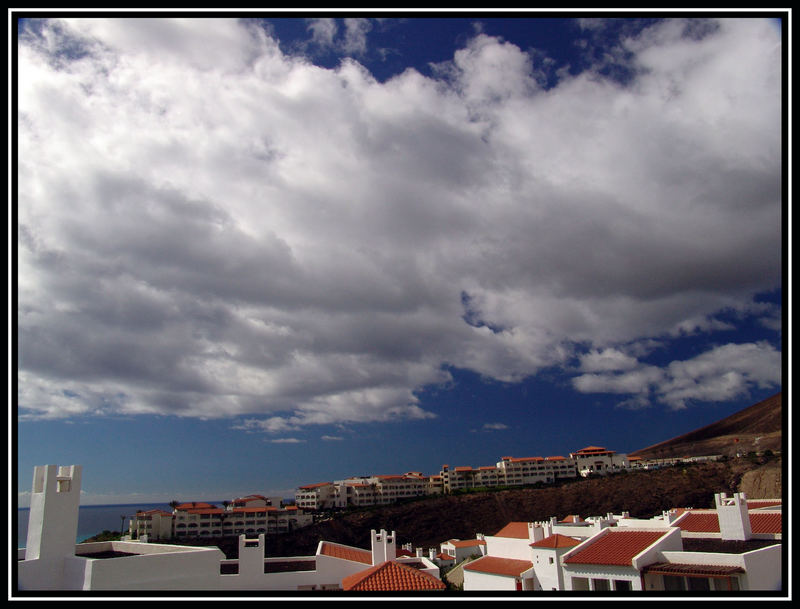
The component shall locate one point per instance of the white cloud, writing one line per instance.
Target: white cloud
(494, 426)
(723, 373)
(291, 245)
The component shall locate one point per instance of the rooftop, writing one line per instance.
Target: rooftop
(515, 530)
(336, 550)
(499, 566)
(706, 521)
(556, 541)
(391, 576)
(615, 547)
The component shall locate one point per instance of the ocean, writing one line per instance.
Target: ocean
(93, 519)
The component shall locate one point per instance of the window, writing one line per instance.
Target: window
(622, 584)
(698, 583)
(601, 584)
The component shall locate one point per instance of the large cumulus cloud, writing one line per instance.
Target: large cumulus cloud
(210, 227)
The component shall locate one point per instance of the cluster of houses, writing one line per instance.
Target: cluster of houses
(735, 546)
(509, 471)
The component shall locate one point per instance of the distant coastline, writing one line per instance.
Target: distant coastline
(92, 519)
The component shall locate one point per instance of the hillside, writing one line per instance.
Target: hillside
(756, 428)
(427, 522)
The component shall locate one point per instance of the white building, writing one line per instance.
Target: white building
(52, 560)
(599, 460)
(363, 491)
(729, 548)
(250, 515)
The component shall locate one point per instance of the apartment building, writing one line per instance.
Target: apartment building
(509, 471)
(735, 546)
(599, 460)
(251, 515)
(366, 490)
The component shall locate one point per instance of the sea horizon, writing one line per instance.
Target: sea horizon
(93, 519)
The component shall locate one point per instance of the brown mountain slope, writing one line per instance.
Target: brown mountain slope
(756, 428)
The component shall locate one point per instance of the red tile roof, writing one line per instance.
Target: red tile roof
(212, 510)
(499, 566)
(317, 485)
(615, 547)
(708, 522)
(516, 530)
(573, 518)
(753, 504)
(193, 504)
(766, 522)
(336, 550)
(556, 541)
(391, 576)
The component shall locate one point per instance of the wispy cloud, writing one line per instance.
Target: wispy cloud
(494, 426)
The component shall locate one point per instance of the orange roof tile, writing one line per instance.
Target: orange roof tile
(615, 547)
(556, 458)
(698, 522)
(212, 510)
(574, 518)
(753, 504)
(516, 530)
(708, 522)
(556, 541)
(499, 566)
(766, 522)
(336, 550)
(316, 485)
(193, 504)
(391, 576)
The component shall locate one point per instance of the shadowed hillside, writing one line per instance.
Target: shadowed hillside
(429, 521)
(756, 428)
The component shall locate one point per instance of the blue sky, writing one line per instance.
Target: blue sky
(258, 253)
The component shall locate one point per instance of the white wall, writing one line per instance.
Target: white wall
(763, 568)
(508, 547)
(474, 580)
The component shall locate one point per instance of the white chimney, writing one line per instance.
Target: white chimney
(734, 519)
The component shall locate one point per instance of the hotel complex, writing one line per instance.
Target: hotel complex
(509, 471)
(737, 546)
(251, 515)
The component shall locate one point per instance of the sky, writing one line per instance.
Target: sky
(257, 251)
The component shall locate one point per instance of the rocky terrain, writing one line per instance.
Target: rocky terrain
(756, 428)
